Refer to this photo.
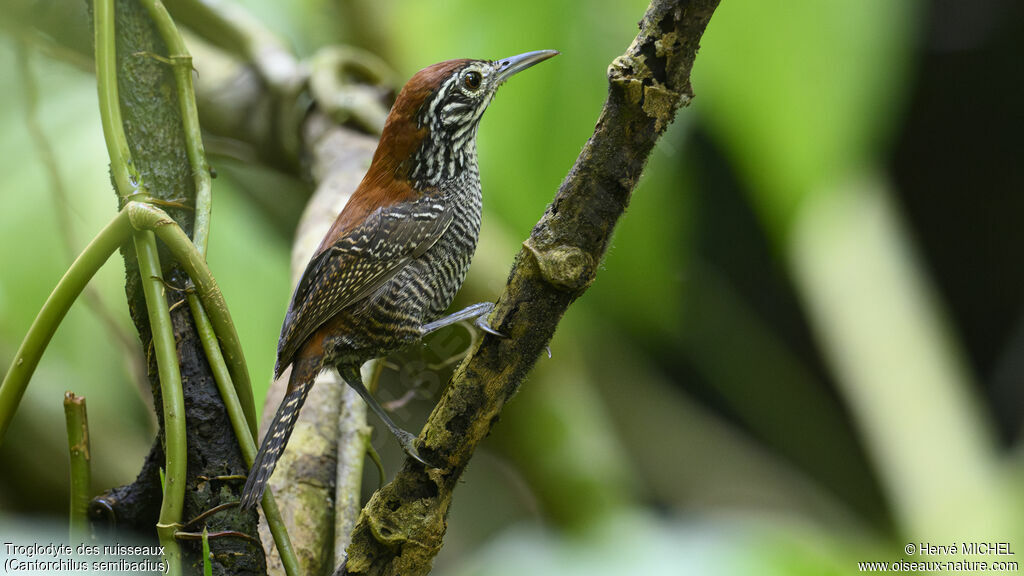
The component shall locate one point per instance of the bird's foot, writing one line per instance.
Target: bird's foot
(408, 444)
(482, 323)
(477, 312)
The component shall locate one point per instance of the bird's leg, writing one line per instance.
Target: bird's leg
(477, 311)
(352, 377)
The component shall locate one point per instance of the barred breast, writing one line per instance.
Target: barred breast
(422, 291)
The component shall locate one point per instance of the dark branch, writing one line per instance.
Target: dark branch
(401, 529)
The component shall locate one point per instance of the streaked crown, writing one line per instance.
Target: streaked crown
(435, 118)
(430, 134)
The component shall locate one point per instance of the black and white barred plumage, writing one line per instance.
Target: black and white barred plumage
(395, 258)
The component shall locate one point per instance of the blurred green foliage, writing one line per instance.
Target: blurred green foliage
(716, 373)
(807, 99)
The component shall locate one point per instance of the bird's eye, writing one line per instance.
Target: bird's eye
(472, 80)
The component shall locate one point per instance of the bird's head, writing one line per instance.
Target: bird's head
(430, 134)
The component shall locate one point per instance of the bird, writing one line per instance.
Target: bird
(392, 261)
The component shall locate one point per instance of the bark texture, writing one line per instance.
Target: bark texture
(153, 126)
(401, 529)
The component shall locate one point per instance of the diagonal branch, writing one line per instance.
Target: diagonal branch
(401, 529)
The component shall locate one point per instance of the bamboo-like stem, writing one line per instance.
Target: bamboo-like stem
(181, 62)
(126, 178)
(128, 184)
(173, 398)
(220, 368)
(246, 439)
(148, 217)
(77, 425)
(53, 311)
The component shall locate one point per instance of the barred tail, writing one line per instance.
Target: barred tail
(277, 437)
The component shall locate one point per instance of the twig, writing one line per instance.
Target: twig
(126, 178)
(81, 474)
(210, 535)
(401, 529)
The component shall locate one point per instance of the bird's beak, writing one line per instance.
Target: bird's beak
(509, 66)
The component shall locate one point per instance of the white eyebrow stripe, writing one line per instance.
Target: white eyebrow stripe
(439, 96)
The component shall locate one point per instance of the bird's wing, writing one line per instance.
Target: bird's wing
(358, 264)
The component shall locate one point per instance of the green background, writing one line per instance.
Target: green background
(805, 345)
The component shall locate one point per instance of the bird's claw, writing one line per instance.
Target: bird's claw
(408, 443)
(482, 323)
(481, 320)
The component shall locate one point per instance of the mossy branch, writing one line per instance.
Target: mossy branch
(401, 529)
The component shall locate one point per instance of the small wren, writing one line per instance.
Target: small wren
(391, 263)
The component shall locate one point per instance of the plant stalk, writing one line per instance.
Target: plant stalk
(81, 473)
(173, 398)
(245, 438)
(53, 311)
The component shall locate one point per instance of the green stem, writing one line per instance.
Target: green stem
(181, 61)
(126, 179)
(245, 436)
(53, 311)
(173, 398)
(128, 183)
(229, 26)
(883, 333)
(81, 476)
(148, 217)
(207, 565)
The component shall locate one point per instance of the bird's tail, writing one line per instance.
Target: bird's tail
(299, 384)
